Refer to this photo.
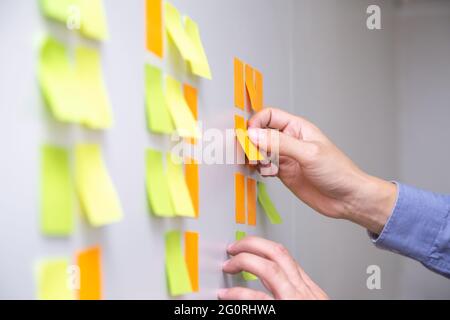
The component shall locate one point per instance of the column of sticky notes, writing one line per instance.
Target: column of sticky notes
(73, 89)
(172, 109)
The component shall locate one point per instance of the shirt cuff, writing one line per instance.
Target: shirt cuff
(414, 224)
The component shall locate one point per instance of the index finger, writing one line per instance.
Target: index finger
(271, 118)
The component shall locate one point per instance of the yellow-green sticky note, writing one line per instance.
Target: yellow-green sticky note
(95, 188)
(268, 206)
(93, 19)
(177, 32)
(199, 64)
(53, 280)
(157, 185)
(158, 116)
(246, 275)
(177, 273)
(179, 191)
(182, 116)
(56, 192)
(93, 101)
(58, 10)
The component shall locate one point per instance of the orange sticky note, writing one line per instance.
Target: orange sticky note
(254, 85)
(259, 87)
(190, 94)
(239, 181)
(192, 181)
(155, 41)
(239, 86)
(251, 201)
(191, 257)
(90, 274)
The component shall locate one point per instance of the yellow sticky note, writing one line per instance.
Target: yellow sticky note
(177, 272)
(181, 114)
(157, 185)
(249, 148)
(53, 280)
(158, 116)
(199, 64)
(246, 275)
(86, 15)
(177, 32)
(96, 191)
(56, 192)
(179, 191)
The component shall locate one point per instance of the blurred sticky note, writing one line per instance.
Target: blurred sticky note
(251, 201)
(239, 190)
(246, 275)
(52, 280)
(191, 257)
(181, 114)
(157, 185)
(86, 15)
(190, 94)
(199, 64)
(89, 262)
(249, 148)
(239, 85)
(57, 201)
(96, 191)
(179, 191)
(259, 87)
(192, 181)
(177, 272)
(155, 40)
(158, 116)
(177, 32)
(266, 203)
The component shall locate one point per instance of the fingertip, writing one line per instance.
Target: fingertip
(221, 293)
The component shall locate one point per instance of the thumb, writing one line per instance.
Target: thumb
(281, 144)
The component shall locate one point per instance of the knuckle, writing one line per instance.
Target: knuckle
(313, 152)
(272, 269)
(280, 250)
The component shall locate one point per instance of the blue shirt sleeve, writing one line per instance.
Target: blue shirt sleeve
(419, 228)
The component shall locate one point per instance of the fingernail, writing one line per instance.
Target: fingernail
(221, 293)
(253, 134)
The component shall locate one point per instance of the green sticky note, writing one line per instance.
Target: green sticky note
(179, 191)
(86, 15)
(95, 188)
(157, 186)
(158, 116)
(182, 116)
(56, 192)
(266, 203)
(177, 32)
(176, 268)
(246, 275)
(199, 64)
(75, 92)
(53, 280)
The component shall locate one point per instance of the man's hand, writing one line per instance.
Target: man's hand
(318, 173)
(276, 269)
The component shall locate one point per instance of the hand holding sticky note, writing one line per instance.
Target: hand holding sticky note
(253, 154)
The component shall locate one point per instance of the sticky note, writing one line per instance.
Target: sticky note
(177, 32)
(89, 262)
(57, 202)
(52, 280)
(239, 85)
(89, 14)
(199, 64)
(192, 181)
(251, 201)
(253, 154)
(259, 88)
(179, 191)
(246, 275)
(191, 97)
(74, 91)
(191, 258)
(157, 185)
(181, 114)
(159, 119)
(239, 190)
(266, 203)
(177, 272)
(155, 40)
(96, 191)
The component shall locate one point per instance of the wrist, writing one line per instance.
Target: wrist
(372, 204)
